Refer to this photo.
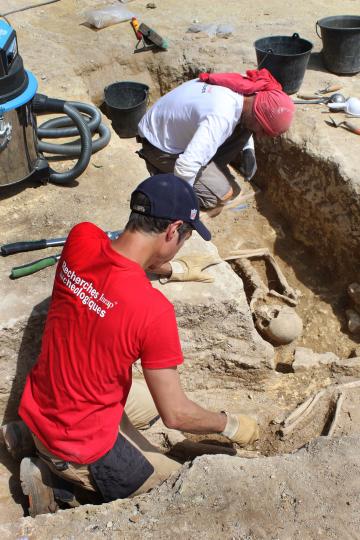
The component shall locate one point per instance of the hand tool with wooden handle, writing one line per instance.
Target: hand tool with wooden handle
(344, 124)
(329, 89)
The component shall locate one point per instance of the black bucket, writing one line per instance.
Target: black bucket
(341, 43)
(286, 58)
(126, 103)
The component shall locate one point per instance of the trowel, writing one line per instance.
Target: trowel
(351, 106)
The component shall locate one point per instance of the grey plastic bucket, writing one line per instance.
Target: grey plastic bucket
(126, 103)
(341, 43)
(286, 57)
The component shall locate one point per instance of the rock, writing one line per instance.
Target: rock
(347, 366)
(307, 359)
(353, 321)
(355, 352)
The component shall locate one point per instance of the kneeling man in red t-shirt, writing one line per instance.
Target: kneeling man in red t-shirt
(80, 403)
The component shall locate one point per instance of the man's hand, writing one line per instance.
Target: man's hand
(190, 268)
(241, 429)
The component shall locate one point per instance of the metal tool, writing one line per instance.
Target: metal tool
(308, 100)
(344, 124)
(33, 245)
(39, 264)
(334, 98)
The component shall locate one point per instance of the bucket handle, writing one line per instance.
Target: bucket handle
(295, 36)
(268, 52)
(316, 29)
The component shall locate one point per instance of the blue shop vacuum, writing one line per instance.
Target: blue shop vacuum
(21, 141)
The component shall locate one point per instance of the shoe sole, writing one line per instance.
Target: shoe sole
(33, 474)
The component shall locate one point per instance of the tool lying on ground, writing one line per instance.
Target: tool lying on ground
(329, 89)
(350, 106)
(344, 124)
(35, 266)
(320, 93)
(308, 100)
(21, 141)
(147, 37)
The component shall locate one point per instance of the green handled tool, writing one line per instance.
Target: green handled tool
(35, 266)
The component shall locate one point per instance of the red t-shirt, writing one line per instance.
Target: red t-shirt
(104, 315)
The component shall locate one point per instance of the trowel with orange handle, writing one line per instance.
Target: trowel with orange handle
(344, 124)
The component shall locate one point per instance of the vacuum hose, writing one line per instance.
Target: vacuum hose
(83, 120)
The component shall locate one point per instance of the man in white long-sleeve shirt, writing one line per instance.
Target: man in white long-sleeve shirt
(195, 131)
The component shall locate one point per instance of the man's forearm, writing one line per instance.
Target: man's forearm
(177, 411)
(194, 419)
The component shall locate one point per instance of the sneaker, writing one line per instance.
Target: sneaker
(35, 477)
(17, 439)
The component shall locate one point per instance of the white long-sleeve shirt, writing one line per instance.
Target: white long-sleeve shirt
(192, 120)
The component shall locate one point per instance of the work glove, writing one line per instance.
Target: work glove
(190, 268)
(241, 429)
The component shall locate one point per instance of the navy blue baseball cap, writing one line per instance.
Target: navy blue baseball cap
(171, 198)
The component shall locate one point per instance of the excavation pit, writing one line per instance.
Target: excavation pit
(305, 210)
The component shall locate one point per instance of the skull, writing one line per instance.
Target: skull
(279, 324)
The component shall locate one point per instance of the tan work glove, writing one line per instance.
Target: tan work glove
(241, 429)
(190, 268)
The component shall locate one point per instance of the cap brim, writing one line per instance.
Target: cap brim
(201, 229)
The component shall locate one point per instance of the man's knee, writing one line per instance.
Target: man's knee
(227, 195)
(208, 200)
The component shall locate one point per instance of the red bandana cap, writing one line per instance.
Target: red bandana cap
(274, 111)
(272, 108)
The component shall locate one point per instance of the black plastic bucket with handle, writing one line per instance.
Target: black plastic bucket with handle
(286, 57)
(126, 103)
(341, 43)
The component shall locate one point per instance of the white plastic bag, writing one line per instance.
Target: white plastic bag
(103, 17)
